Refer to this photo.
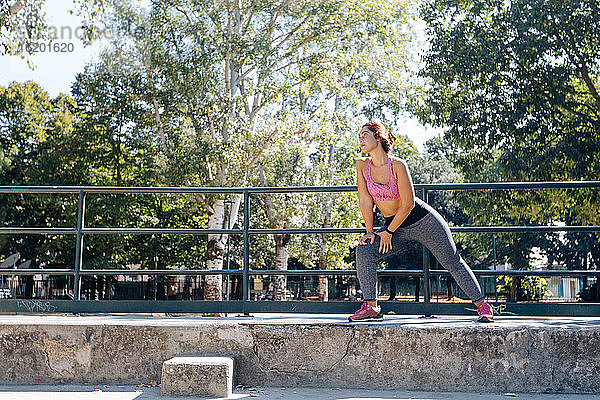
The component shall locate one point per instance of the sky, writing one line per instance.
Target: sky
(56, 72)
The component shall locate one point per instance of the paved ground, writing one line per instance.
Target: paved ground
(72, 392)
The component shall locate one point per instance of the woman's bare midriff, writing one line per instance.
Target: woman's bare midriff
(388, 207)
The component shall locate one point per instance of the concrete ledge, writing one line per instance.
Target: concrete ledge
(515, 354)
(197, 376)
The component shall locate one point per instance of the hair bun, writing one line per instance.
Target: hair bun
(391, 137)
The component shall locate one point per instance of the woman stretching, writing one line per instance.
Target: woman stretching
(386, 182)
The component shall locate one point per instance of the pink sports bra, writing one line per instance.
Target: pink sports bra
(389, 191)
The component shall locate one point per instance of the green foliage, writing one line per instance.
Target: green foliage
(116, 125)
(34, 135)
(214, 94)
(23, 24)
(243, 86)
(524, 288)
(331, 163)
(104, 138)
(516, 83)
(224, 73)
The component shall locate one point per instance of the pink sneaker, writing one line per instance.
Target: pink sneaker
(367, 313)
(485, 312)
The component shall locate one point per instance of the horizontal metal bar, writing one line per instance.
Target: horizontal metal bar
(420, 273)
(184, 231)
(295, 189)
(509, 185)
(301, 272)
(159, 231)
(485, 272)
(116, 189)
(497, 229)
(37, 231)
(8, 271)
(538, 228)
(172, 190)
(305, 231)
(293, 272)
(188, 272)
(301, 189)
(330, 307)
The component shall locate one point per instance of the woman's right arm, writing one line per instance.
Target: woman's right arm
(365, 201)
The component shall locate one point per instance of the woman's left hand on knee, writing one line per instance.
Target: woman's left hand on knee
(385, 242)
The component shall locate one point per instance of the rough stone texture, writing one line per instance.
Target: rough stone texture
(450, 354)
(197, 376)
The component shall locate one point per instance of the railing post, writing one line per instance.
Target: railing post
(227, 297)
(426, 275)
(79, 244)
(246, 278)
(495, 268)
(426, 261)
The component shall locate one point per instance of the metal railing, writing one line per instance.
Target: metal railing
(246, 305)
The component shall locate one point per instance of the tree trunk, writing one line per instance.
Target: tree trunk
(281, 241)
(513, 281)
(323, 281)
(322, 264)
(281, 262)
(107, 283)
(450, 288)
(513, 290)
(29, 284)
(213, 289)
(323, 286)
(393, 291)
(215, 249)
(417, 289)
(15, 8)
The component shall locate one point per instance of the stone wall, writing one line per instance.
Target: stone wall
(489, 358)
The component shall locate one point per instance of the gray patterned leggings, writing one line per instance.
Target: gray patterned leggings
(433, 232)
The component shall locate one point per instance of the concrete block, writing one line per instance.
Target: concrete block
(197, 376)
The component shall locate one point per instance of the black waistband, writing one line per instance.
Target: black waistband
(418, 212)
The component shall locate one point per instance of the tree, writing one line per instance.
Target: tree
(101, 137)
(330, 164)
(117, 125)
(23, 24)
(222, 71)
(117, 128)
(516, 85)
(285, 167)
(35, 131)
